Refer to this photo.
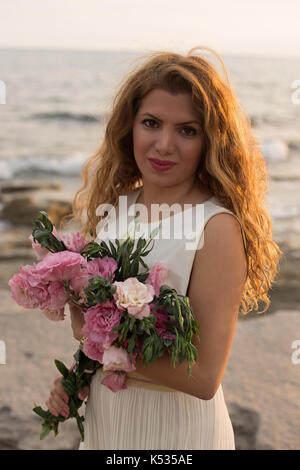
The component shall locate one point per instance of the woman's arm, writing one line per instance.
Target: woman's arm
(215, 290)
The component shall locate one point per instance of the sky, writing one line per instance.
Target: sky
(233, 27)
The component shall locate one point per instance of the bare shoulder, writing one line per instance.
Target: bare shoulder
(224, 230)
(220, 265)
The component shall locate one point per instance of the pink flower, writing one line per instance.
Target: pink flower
(104, 267)
(115, 382)
(93, 350)
(117, 359)
(64, 266)
(99, 320)
(39, 251)
(158, 276)
(58, 295)
(134, 296)
(34, 274)
(75, 242)
(80, 282)
(26, 295)
(54, 315)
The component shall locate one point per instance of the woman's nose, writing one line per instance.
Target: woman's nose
(165, 141)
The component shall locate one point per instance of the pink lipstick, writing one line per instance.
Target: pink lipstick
(161, 165)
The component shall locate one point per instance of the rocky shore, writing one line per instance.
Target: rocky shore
(261, 383)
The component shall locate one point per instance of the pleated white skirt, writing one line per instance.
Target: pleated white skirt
(143, 419)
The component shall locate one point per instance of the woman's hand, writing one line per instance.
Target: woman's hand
(77, 321)
(57, 402)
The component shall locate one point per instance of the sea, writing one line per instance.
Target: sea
(55, 104)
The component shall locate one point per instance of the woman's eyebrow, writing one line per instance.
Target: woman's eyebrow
(178, 124)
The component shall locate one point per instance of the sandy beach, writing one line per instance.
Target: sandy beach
(261, 383)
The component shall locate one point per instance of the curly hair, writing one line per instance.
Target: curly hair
(232, 167)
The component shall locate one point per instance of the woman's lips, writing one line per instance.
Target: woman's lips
(163, 166)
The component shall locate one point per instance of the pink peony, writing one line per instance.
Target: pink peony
(93, 350)
(115, 382)
(134, 296)
(58, 295)
(25, 294)
(99, 320)
(104, 267)
(117, 359)
(158, 276)
(75, 242)
(64, 266)
(39, 251)
(80, 282)
(54, 315)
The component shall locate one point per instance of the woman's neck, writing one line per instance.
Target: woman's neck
(185, 194)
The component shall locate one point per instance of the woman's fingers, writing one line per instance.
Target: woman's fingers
(57, 402)
(60, 390)
(58, 399)
(57, 407)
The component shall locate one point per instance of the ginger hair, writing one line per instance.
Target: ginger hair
(231, 167)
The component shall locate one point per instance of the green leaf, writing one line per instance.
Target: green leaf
(113, 249)
(46, 429)
(141, 243)
(42, 413)
(79, 420)
(132, 323)
(68, 387)
(62, 368)
(131, 344)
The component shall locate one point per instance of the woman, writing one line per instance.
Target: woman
(179, 110)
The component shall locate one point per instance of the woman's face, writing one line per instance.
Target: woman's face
(166, 127)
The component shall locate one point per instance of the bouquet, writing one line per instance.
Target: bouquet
(129, 312)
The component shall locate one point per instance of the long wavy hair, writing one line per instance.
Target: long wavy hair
(232, 166)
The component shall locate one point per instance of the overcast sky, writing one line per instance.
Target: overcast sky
(237, 27)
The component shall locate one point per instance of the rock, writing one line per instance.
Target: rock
(22, 209)
(19, 211)
(22, 186)
(21, 433)
(245, 423)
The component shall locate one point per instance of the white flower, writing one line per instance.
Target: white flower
(134, 296)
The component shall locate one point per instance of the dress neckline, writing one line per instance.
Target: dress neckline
(138, 192)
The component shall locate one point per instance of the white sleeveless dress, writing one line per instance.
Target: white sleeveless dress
(145, 418)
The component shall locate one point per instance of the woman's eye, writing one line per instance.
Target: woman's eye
(189, 130)
(149, 121)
